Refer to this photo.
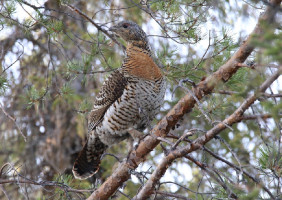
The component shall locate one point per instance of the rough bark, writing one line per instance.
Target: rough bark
(148, 188)
(185, 105)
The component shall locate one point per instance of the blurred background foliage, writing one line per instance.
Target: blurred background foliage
(53, 63)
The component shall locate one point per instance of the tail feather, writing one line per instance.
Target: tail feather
(89, 159)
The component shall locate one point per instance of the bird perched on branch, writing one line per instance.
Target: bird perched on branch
(128, 100)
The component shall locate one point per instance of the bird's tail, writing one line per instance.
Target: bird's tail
(88, 161)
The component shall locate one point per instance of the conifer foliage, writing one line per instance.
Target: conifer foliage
(217, 136)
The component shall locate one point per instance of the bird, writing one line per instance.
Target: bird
(128, 100)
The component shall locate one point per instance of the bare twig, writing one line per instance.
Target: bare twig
(213, 176)
(185, 188)
(101, 53)
(185, 105)
(168, 194)
(14, 120)
(254, 117)
(100, 28)
(256, 180)
(148, 188)
(272, 95)
(189, 133)
(165, 140)
(124, 194)
(233, 154)
(91, 72)
(43, 184)
(5, 192)
(18, 58)
(197, 100)
(20, 179)
(201, 60)
(226, 92)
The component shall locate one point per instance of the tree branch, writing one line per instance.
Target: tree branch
(167, 194)
(15, 122)
(253, 117)
(100, 28)
(256, 180)
(212, 174)
(43, 184)
(148, 188)
(185, 105)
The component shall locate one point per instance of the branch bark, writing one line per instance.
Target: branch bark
(253, 117)
(148, 188)
(185, 105)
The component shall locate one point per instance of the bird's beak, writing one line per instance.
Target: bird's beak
(113, 29)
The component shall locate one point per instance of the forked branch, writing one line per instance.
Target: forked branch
(148, 188)
(185, 105)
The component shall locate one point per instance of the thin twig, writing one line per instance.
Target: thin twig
(201, 60)
(148, 188)
(189, 133)
(261, 117)
(165, 140)
(14, 120)
(168, 194)
(256, 180)
(185, 105)
(5, 192)
(100, 28)
(233, 154)
(213, 174)
(17, 59)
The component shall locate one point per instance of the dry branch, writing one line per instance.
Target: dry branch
(185, 105)
(148, 188)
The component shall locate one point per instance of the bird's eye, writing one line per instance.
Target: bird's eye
(125, 25)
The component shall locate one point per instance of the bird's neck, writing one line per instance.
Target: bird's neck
(139, 63)
(139, 46)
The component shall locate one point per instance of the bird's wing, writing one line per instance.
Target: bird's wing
(111, 90)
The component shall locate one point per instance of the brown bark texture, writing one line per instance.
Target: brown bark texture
(185, 105)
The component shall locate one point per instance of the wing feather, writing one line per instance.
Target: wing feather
(111, 90)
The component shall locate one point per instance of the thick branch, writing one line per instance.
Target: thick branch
(185, 105)
(199, 142)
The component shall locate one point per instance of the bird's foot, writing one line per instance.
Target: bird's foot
(136, 135)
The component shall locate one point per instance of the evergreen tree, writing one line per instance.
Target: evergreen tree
(217, 136)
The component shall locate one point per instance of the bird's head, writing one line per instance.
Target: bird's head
(131, 33)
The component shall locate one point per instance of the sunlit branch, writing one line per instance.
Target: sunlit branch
(200, 141)
(185, 105)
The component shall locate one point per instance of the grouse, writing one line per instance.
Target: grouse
(129, 99)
